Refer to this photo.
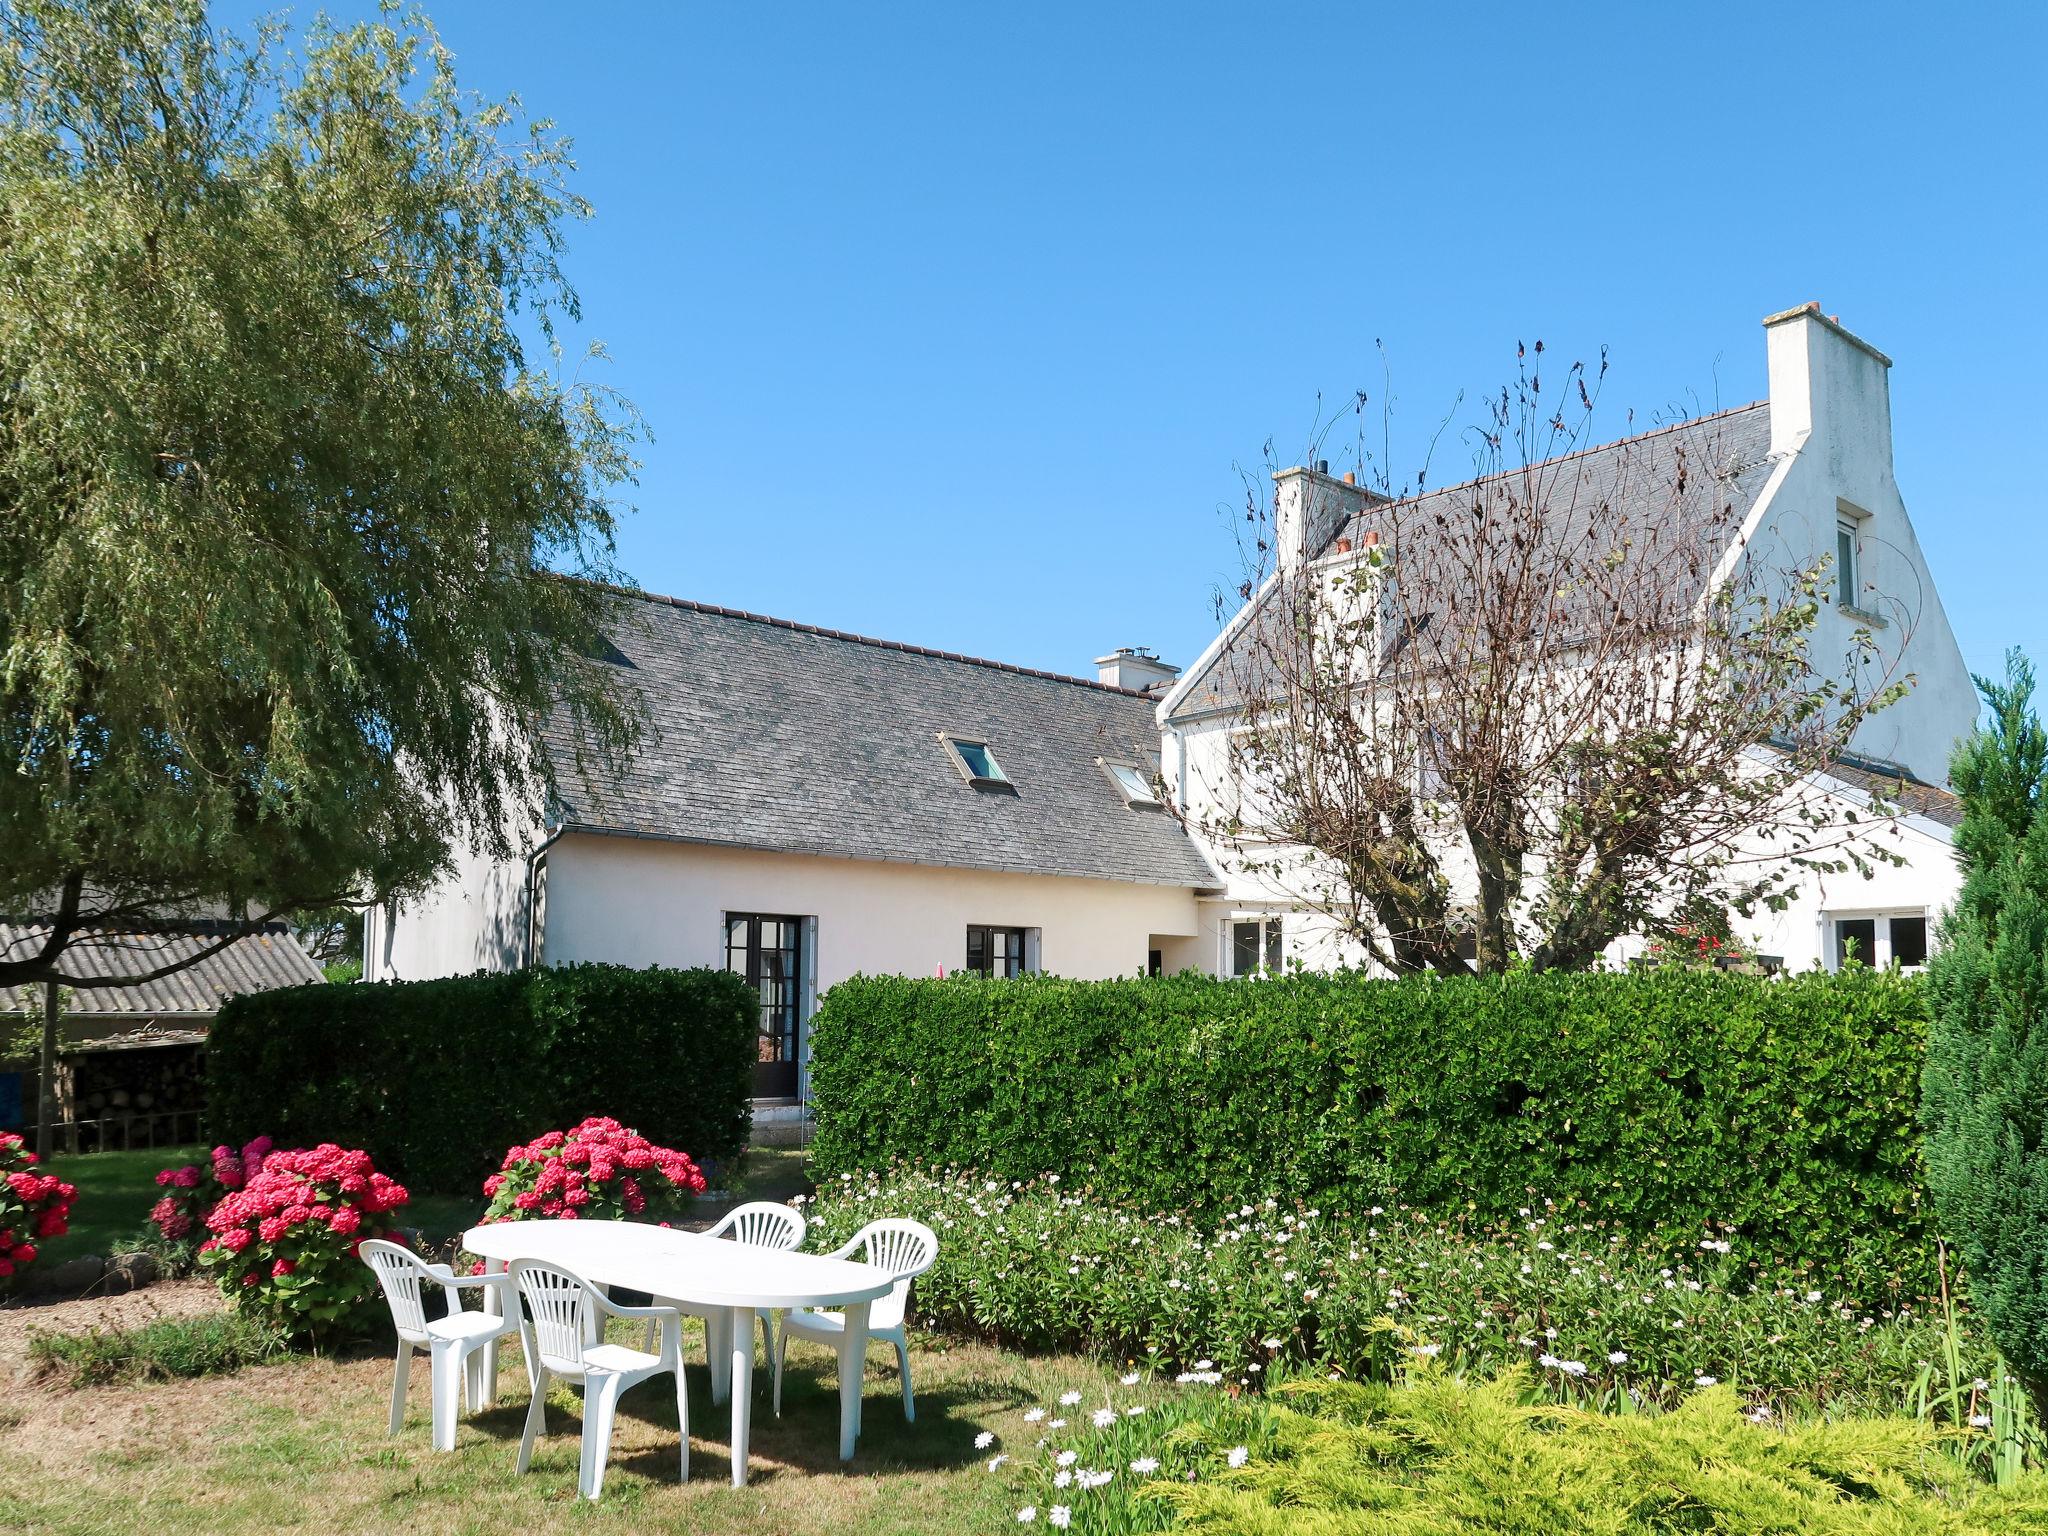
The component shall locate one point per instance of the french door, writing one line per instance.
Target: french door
(768, 952)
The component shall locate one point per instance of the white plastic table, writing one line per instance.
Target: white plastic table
(706, 1271)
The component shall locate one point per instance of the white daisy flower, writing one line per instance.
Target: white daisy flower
(1239, 1455)
(984, 1440)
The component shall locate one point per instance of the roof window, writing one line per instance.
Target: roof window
(1133, 782)
(976, 762)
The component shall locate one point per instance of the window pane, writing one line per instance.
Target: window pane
(1909, 940)
(1131, 782)
(1244, 948)
(977, 950)
(1856, 940)
(1273, 946)
(979, 760)
(1845, 564)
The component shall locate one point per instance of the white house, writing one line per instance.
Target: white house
(1810, 471)
(813, 804)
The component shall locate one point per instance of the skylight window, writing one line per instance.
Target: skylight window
(976, 762)
(1134, 782)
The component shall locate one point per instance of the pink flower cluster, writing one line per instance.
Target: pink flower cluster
(597, 1170)
(284, 1243)
(32, 1205)
(194, 1190)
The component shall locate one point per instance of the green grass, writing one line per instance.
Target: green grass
(168, 1348)
(301, 1446)
(115, 1192)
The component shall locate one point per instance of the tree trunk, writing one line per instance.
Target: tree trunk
(46, 1075)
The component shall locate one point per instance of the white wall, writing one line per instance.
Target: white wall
(474, 920)
(638, 902)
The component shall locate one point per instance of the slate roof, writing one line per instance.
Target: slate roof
(259, 962)
(783, 736)
(1615, 493)
(1896, 787)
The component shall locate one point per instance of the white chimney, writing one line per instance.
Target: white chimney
(1309, 506)
(1830, 394)
(1135, 667)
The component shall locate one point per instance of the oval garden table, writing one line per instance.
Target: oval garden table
(707, 1272)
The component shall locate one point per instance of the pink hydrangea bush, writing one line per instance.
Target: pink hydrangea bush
(598, 1171)
(283, 1247)
(190, 1193)
(33, 1206)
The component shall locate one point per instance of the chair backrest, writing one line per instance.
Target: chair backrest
(765, 1225)
(400, 1273)
(904, 1248)
(558, 1309)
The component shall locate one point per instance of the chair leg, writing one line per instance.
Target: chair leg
(536, 1418)
(683, 1417)
(768, 1333)
(600, 1405)
(903, 1366)
(401, 1373)
(445, 1363)
(781, 1354)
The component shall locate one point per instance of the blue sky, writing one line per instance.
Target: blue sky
(952, 323)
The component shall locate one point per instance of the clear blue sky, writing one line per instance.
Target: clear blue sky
(952, 321)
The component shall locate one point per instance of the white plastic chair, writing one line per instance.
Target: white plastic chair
(904, 1248)
(449, 1341)
(564, 1320)
(764, 1224)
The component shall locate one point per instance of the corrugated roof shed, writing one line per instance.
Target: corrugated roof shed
(774, 735)
(258, 962)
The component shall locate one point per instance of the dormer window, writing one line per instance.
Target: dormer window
(977, 764)
(1131, 781)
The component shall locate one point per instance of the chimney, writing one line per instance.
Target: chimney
(1135, 667)
(1830, 393)
(1309, 507)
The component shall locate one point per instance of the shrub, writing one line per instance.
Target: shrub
(435, 1078)
(1598, 1316)
(284, 1246)
(191, 1192)
(1442, 1454)
(1985, 1092)
(599, 1170)
(167, 1348)
(33, 1206)
(1668, 1101)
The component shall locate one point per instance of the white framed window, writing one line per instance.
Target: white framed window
(1848, 576)
(1878, 939)
(1257, 946)
(976, 760)
(1132, 782)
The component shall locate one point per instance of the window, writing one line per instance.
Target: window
(995, 951)
(1880, 940)
(1134, 782)
(1255, 946)
(976, 762)
(768, 952)
(1847, 589)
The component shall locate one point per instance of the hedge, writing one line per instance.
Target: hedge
(1670, 1103)
(435, 1079)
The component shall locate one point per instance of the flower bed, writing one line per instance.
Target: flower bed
(33, 1206)
(283, 1247)
(1594, 1316)
(598, 1171)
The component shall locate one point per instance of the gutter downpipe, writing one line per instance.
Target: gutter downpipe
(532, 862)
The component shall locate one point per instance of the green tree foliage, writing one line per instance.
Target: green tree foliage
(288, 475)
(1985, 1089)
(1676, 1104)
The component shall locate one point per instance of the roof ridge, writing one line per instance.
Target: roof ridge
(690, 605)
(1562, 458)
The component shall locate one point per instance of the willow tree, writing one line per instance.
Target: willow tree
(290, 475)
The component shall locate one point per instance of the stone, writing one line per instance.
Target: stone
(72, 1275)
(131, 1271)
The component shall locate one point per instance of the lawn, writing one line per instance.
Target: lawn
(115, 1192)
(301, 1446)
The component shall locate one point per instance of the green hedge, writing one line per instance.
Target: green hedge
(1663, 1103)
(435, 1079)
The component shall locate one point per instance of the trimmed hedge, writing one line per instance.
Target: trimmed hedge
(435, 1079)
(1668, 1104)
